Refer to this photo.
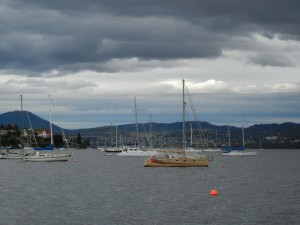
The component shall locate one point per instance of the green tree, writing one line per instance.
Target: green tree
(58, 140)
(78, 140)
(85, 143)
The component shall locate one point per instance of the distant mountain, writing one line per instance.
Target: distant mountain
(23, 119)
(283, 133)
(286, 129)
(145, 127)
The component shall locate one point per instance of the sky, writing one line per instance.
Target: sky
(93, 57)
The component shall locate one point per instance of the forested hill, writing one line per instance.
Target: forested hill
(280, 132)
(26, 119)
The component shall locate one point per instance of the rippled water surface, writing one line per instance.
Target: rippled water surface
(96, 189)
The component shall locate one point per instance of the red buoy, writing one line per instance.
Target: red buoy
(214, 192)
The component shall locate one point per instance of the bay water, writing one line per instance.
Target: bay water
(93, 188)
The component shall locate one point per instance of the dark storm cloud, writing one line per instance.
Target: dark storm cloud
(282, 16)
(75, 34)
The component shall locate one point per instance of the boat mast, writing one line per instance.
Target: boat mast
(228, 137)
(260, 143)
(136, 123)
(151, 141)
(191, 134)
(243, 129)
(243, 135)
(22, 120)
(183, 118)
(216, 145)
(111, 135)
(51, 135)
(116, 136)
(22, 124)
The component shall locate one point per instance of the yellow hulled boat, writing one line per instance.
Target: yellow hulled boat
(177, 161)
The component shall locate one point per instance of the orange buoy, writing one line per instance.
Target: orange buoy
(214, 192)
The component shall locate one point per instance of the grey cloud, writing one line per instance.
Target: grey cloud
(275, 14)
(74, 35)
(269, 59)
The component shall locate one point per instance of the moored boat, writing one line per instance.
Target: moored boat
(180, 158)
(112, 150)
(239, 153)
(169, 160)
(212, 150)
(47, 157)
(12, 154)
(135, 151)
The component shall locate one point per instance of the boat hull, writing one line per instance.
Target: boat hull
(239, 153)
(11, 156)
(137, 153)
(212, 150)
(47, 158)
(49, 148)
(112, 150)
(177, 162)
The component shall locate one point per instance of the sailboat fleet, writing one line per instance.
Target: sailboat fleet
(184, 157)
(37, 154)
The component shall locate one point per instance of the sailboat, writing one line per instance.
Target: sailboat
(260, 147)
(135, 150)
(17, 152)
(114, 149)
(216, 149)
(239, 151)
(46, 156)
(191, 149)
(179, 159)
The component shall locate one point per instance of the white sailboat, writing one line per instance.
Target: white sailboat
(113, 149)
(14, 153)
(260, 147)
(216, 149)
(47, 155)
(239, 153)
(191, 150)
(135, 150)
